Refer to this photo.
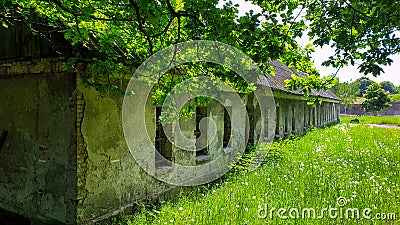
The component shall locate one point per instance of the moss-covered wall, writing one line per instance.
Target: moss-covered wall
(110, 180)
(38, 158)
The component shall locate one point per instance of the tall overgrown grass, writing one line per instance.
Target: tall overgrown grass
(355, 164)
(394, 120)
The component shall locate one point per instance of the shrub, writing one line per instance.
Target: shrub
(355, 120)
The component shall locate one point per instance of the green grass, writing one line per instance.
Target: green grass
(394, 120)
(356, 162)
(395, 98)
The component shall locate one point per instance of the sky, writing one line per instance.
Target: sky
(349, 73)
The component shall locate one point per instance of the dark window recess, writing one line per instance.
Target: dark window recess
(227, 127)
(163, 155)
(306, 122)
(250, 125)
(277, 122)
(293, 120)
(201, 141)
(286, 123)
(312, 116)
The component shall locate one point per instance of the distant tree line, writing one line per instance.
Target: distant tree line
(388, 86)
(375, 96)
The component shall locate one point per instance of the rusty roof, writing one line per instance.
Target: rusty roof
(282, 73)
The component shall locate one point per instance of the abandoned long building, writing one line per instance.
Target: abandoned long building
(64, 158)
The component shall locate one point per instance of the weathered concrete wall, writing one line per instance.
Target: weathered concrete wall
(295, 116)
(263, 120)
(392, 110)
(38, 159)
(110, 179)
(356, 110)
(66, 158)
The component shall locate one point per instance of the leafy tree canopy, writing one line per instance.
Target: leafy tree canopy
(389, 87)
(364, 82)
(358, 29)
(362, 32)
(396, 98)
(347, 91)
(376, 98)
(124, 33)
